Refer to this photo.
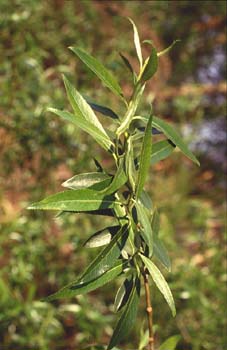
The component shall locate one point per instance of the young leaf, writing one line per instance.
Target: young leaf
(146, 230)
(118, 181)
(161, 150)
(102, 72)
(107, 257)
(123, 293)
(129, 164)
(168, 48)
(173, 135)
(127, 63)
(87, 180)
(151, 66)
(80, 105)
(144, 162)
(160, 282)
(76, 288)
(137, 43)
(75, 200)
(91, 129)
(102, 237)
(170, 343)
(133, 105)
(103, 110)
(128, 316)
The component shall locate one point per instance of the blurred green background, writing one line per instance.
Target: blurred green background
(40, 253)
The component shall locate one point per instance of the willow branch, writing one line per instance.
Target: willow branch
(149, 311)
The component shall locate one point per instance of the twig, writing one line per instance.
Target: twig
(149, 312)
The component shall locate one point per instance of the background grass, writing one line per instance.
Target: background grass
(40, 253)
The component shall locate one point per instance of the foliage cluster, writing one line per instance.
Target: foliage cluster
(34, 37)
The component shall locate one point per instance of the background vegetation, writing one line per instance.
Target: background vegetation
(38, 252)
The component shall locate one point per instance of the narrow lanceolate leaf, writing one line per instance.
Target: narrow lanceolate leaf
(130, 165)
(118, 181)
(80, 105)
(173, 135)
(107, 257)
(168, 48)
(159, 251)
(88, 180)
(102, 237)
(151, 66)
(128, 316)
(123, 293)
(161, 150)
(75, 200)
(76, 288)
(160, 282)
(98, 68)
(137, 42)
(133, 105)
(91, 129)
(146, 230)
(103, 110)
(145, 156)
(127, 63)
(170, 343)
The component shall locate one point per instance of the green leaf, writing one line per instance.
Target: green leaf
(107, 257)
(133, 105)
(161, 150)
(80, 105)
(145, 156)
(146, 230)
(123, 293)
(91, 129)
(127, 63)
(103, 110)
(102, 73)
(77, 288)
(168, 48)
(161, 253)
(75, 200)
(151, 66)
(170, 343)
(118, 181)
(88, 180)
(146, 200)
(173, 135)
(155, 223)
(128, 316)
(129, 164)
(137, 43)
(160, 282)
(159, 249)
(102, 237)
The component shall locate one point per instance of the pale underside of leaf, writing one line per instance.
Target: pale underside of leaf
(87, 180)
(137, 43)
(101, 237)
